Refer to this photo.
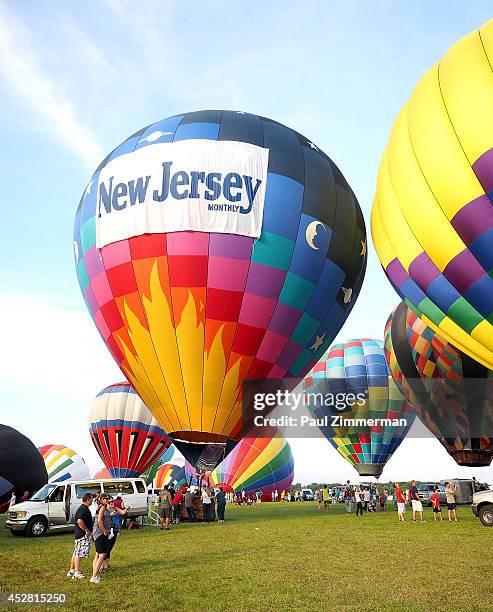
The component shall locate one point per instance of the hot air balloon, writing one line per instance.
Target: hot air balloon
(452, 393)
(102, 474)
(21, 466)
(63, 463)
(169, 473)
(257, 463)
(432, 217)
(171, 455)
(358, 372)
(126, 435)
(213, 247)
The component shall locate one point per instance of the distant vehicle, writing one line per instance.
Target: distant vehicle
(425, 491)
(482, 507)
(307, 495)
(54, 506)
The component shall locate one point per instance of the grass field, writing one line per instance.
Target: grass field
(279, 556)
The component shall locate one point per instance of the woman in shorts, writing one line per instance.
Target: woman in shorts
(100, 532)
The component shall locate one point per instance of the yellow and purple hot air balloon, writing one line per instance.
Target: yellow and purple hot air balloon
(125, 434)
(432, 217)
(63, 463)
(358, 372)
(213, 247)
(265, 464)
(452, 393)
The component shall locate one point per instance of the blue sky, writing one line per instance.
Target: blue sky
(77, 78)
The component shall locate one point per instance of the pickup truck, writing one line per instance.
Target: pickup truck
(482, 507)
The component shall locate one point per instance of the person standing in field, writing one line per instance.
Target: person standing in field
(366, 497)
(221, 504)
(13, 500)
(206, 504)
(348, 497)
(435, 504)
(400, 501)
(163, 503)
(283, 495)
(189, 506)
(100, 532)
(415, 501)
(325, 498)
(258, 497)
(82, 531)
(359, 502)
(273, 496)
(176, 504)
(116, 514)
(450, 491)
(383, 500)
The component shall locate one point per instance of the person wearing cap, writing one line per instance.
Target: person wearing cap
(163, 503)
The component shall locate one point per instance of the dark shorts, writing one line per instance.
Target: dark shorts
(451, 506)
(102, 544)
(437, 510)
(165, 512)
(111, 543)
(326, 502)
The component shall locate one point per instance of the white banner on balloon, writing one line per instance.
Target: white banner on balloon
(199, 185)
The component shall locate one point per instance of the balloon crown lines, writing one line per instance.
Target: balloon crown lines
(305, 408)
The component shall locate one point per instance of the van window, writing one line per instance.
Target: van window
(57, 495)
(140, 487)
(113, 488)
(87, 487)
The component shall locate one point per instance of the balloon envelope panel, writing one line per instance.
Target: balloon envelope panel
(432, 217)
(359, 367)
(452, 394)
(21, 465)
(169, 473)
(63, 463)
(188, 315)
(125, 434)
(257, 463)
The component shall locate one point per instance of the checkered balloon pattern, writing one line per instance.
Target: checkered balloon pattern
(188, 316)
(359, 367)
(432, 217)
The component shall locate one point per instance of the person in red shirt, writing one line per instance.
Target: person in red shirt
(435, 504)
(401, 501)
(176, 504)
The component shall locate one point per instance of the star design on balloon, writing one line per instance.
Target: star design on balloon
(348, 294)
(319, 340)
(363, 248)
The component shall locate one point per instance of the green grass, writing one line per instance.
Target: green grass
(279, 556)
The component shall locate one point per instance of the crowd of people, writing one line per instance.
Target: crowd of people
(367, 498)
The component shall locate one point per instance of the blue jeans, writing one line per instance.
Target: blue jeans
(349, 505)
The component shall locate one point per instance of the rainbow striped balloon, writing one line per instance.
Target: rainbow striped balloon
(169, 473)
(63, 463)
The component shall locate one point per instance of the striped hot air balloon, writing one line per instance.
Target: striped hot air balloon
(63, 463)
(102, 474)
(213, 247)
(257, 463)
(381, 420)
(126, 435)
(169, 473)
(432, 217)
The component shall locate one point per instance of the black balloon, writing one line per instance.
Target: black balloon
(21, 466)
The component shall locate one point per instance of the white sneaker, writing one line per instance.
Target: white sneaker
(70, 573)
(77, 575)
(95, 579)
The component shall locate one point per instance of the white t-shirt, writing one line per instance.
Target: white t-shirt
(357, 496)
(205, 498)
(13, 501)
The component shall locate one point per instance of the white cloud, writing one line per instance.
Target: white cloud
(44, 97)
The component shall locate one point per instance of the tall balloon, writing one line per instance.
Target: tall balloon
(21, 466)
(213, 247)
(432, 217)
(452, 393)
(63, 463)
(126, 435)
(380, 416)
(257, 463)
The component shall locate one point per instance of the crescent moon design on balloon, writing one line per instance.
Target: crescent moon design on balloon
(311, 232)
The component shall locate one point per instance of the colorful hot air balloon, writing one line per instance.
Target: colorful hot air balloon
(126, 435)
(102, 474)
(381, 416)
(213, 247)
(63, 463)
(21, 466)
(257, 463)
(452, 393)
(169, 473)
(432, 218)
(171, 455)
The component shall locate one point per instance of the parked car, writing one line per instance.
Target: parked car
(54, 506)
(307, 495)
(425, 491)
(482, 507)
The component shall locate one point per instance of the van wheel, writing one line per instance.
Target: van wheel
(486, 515)
(37, 527)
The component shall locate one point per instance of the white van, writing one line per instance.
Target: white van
(54, 506)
